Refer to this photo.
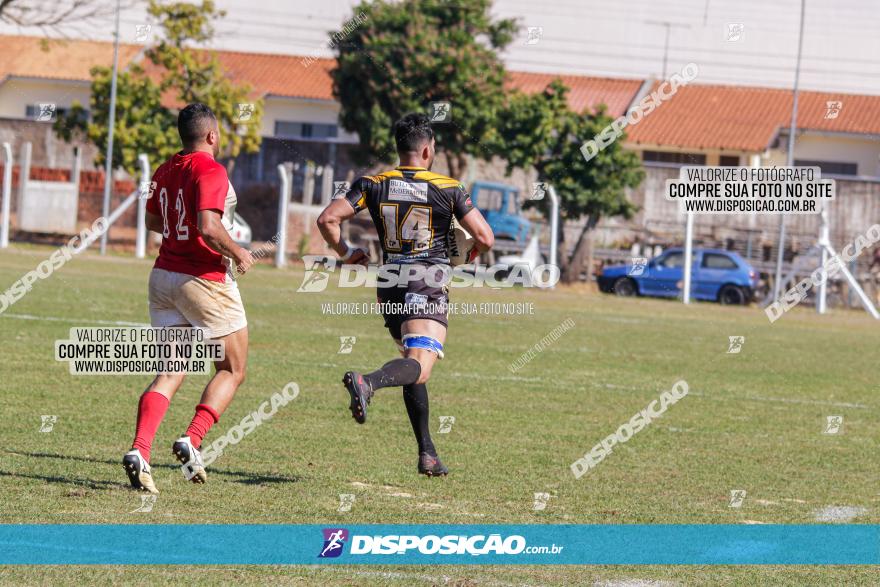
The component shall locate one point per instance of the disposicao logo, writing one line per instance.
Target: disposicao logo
(334, 540)
(432, 545)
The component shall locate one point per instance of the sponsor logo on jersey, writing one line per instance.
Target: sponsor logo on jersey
(407, 192)
(415, 299)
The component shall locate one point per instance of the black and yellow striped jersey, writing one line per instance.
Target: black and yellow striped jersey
(412, 209)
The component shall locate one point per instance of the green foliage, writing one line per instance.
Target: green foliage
(196, 76)
(398, 57)
(143, 124)
(147, 98)
(542, 132)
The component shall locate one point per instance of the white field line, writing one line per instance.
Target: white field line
(784, 400)
(72, 320)
(627, 388)
(633, 583)
(485, 377)
(839, 514)
(429, 579)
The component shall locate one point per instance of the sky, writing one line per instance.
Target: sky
(738, 42)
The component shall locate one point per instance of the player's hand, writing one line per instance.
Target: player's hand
(243, 261)
(356, 256)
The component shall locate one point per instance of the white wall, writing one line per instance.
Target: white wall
(712, 155)
(299, 110)
(863, 151)
(17, 94)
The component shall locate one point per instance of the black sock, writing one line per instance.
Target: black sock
(415, 396)
(395, 374)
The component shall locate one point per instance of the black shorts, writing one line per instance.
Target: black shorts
(415, 301)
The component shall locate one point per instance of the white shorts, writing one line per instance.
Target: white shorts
(179, 299)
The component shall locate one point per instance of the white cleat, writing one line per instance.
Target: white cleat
(138, 470)
(190, 460)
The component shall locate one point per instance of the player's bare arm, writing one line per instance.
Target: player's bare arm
(217, 237)
(330, 224)
(476, 225)
(153, 222)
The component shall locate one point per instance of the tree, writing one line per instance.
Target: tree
(148, 97)
(399, 57)
(540, 131)
(143, 124)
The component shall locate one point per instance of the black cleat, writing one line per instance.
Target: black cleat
(360, 393)
(138, 470)
(190, 460)
(431, 466)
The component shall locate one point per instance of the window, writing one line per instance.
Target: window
(728, 161)
(675, 158)
(671, 261)
(305, 130)
(489, 199)
(718, 261)
(512, 204)
(830, 167)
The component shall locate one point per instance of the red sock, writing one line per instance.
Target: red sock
(151, 410)
(205, 417)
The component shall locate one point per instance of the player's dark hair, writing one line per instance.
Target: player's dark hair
(412, 131)
(194, 122)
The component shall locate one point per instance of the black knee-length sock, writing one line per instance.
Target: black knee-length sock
(415, 396)
(394, 374)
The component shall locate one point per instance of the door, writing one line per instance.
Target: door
(713, 271)
(664, 275)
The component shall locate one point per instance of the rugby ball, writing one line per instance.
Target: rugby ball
(459, 243)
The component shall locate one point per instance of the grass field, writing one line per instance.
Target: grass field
(752, 421)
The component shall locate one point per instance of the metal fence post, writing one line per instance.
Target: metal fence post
(141, 243)
(7, 195)
(283, 203)
(554, 227)
(688, 257)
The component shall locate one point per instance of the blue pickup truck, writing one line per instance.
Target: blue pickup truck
(501, 206)
(716, 275)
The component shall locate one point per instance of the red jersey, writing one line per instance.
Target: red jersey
(185, 185)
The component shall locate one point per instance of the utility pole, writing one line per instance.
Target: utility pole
(777, 282)
(108, 167)
(668, 25)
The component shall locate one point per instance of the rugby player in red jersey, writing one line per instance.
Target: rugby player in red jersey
(192, 284)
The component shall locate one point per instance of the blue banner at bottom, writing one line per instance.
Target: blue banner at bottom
(183, 544)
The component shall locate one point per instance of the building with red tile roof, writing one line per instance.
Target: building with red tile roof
(711, 124)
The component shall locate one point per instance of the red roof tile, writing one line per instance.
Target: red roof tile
(61, 59)
(586, 92)
(281, 75)
(747, 119)
(697, 117)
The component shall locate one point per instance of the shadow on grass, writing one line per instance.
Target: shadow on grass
(89, 483)
(243, 477)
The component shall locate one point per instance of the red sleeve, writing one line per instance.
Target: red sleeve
(211, 189)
